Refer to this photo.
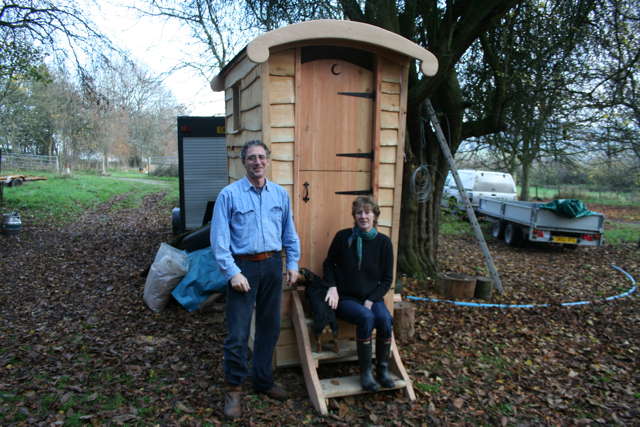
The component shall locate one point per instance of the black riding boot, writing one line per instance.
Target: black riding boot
(383, 348)
(364, 360)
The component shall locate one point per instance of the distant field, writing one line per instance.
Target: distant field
(631, 198)
(60, 198)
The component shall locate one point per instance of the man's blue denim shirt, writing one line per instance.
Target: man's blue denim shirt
(248, 221)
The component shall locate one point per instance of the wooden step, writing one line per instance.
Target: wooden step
(346, 351)
(347, 386)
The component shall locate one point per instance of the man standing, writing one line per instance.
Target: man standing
(251, 225)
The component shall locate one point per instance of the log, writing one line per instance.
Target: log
(404, 320)
(457, 286)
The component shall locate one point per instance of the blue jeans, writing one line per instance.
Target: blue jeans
(265, 279)
(365, 320)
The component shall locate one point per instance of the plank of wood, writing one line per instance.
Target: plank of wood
(282, 151)
(390, 88)
(311, 379)
(402, 123)
(251, 96)
(390, 102)
(388, 175)
(282, 91)
(388, 154)
(251, 120)
(397, 367)
(282, 115)
(389, 120)
(347, 351)
(282, 63)
(385, 197)
(389, 137)
(349, 386)
(386, 216)
(282, 172)
(282, 135)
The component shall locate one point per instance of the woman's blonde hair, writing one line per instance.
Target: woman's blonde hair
(368, 204)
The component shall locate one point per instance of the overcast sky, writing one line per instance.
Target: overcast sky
(159, 45)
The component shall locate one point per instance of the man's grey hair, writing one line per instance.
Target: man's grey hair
(245, 148)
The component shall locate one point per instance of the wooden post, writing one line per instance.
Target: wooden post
(470, 213)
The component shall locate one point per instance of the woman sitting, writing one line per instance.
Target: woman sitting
(359, 266)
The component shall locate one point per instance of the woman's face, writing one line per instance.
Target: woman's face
(364, 218)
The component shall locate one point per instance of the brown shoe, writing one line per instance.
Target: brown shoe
(233, 402)
(276, 392)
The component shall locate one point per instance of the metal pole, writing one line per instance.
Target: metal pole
(467, 204)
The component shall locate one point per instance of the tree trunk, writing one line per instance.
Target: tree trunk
(524, 185)
(419, 222)
(105, 155)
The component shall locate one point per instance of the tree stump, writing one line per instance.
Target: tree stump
(457, 286)
(484, 285)
(404, 320)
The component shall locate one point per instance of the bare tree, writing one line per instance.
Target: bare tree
(30, 29)
(217, 27)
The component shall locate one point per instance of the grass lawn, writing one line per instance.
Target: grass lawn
(629, 198)
(60, 198)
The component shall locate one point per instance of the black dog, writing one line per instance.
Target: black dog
(323, 316)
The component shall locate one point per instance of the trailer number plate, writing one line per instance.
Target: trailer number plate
(563, 239)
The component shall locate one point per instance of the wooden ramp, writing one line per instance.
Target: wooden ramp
(320, 390)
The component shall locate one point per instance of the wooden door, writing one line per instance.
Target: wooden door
(334, 144)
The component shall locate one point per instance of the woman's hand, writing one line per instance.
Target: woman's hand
(368, 304)
(332, 297)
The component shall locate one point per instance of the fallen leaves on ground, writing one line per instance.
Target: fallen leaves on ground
(78, 345)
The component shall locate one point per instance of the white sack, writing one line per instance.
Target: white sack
(168, 268)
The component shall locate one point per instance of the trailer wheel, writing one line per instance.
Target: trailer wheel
(512, 234)
(497, 230)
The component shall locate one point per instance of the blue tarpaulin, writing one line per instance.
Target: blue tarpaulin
(203, 278)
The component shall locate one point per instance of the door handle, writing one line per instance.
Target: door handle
(306, 192)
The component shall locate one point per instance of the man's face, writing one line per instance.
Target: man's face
(256, 162)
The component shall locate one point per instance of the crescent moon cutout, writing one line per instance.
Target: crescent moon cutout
(333, 70)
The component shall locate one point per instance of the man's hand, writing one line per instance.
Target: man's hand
(368, 304)
(240, 283)
(292, 277)
(332, 297)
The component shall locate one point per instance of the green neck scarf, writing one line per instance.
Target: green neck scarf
(358, 235)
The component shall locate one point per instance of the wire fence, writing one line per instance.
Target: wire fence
(18, 162)
(163, 160)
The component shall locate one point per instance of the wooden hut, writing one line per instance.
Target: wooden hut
(329, 99)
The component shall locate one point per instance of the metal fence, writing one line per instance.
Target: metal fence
(163, 160)
(28, 162)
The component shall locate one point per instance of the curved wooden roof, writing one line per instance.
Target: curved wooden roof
(258, 49)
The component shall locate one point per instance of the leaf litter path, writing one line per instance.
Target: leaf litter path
(77, 344)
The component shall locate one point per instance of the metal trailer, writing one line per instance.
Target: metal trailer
(518, 221)
(203, 170)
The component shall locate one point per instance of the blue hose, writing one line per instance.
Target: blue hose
(631, 290)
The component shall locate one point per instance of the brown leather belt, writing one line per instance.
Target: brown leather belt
(256, 257)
